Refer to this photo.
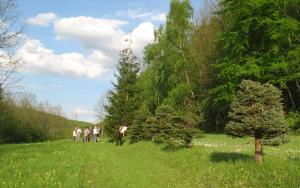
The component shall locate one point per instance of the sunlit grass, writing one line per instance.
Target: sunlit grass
(214, 161)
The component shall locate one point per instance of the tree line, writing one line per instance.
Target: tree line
(193, 73)
(24, 119)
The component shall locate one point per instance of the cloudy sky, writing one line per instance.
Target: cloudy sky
(70, 48)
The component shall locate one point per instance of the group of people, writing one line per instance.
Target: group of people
(87, 134)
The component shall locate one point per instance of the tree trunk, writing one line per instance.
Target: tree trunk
(291, 98)
(258, 150)
(185, 72)
(297, 85)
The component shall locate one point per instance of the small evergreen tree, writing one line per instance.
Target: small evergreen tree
(159, 126)
(257, 111)
(171, 128)
(122, 102)
(188, 128)
(138, 129)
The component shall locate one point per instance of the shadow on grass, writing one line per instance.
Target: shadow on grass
(229, 157)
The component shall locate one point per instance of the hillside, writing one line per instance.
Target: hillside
(66, 126)
(28, 124)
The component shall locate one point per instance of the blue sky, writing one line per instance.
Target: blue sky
(70, 48)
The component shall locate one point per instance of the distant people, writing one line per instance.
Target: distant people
(90, 134)
(85, 135)
(121, 135)
(78, 131)
(74, 134)
(95, 133)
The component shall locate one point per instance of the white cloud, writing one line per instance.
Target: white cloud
(102, 38)
(39, 59)
(141, 36)
(92, 33)
(105, 35)
(81, 111)
(42, 19)
(143, 14)
(83, 115)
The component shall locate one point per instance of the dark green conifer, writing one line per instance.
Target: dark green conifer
(122, 102)
(257, 111)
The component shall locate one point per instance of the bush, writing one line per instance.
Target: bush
(173, 128)
(293, 120)
(276, 141)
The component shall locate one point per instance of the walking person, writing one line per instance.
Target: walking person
(85, 134)
(95, 133)
(90, 134)
(74, 134)
(121, 135)
(78, 131)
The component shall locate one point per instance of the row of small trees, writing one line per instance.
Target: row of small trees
(193, 74)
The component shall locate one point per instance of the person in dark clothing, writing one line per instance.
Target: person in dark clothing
(121, 134)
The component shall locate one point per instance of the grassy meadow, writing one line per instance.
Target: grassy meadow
(214, 161)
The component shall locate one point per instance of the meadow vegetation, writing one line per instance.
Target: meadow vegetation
(214, 161)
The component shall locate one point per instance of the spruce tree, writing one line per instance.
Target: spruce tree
(138, 131)
(122, 102)
(173, 128)
(257, 111)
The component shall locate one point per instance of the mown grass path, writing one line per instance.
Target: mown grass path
(215, 161)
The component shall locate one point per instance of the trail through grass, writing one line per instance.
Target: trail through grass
(215, 161)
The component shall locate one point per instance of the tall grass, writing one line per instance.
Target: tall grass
(215, 161)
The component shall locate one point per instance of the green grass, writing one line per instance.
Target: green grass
(215, 161)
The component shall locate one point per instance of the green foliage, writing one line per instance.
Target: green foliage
(282, 139)
(261, 42)
(25, 122)
(123, 101)
(20, 125)
(257, 111)
(293, 120)
(186, 128)
(161, 124)
(169, 127)
(138, 131)
(169, 59)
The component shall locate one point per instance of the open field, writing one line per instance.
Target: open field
(215, 161)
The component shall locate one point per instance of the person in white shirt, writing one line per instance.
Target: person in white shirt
(78, 134)
(122, 130)
(96, 133)
(74, 134)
